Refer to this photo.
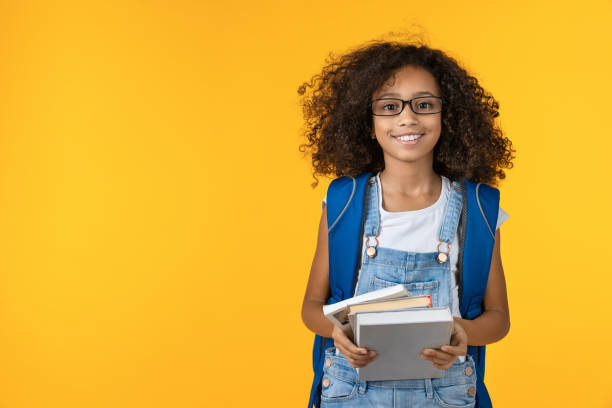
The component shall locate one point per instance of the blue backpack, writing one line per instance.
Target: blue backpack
(345, 216)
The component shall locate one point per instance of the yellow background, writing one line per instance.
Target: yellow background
(155, 245)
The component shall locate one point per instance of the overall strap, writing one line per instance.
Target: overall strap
(450, 221)
(451, 214)
(371, 226)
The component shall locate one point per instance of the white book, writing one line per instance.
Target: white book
(399, 337)
(338, 312)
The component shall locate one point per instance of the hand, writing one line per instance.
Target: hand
(357, 356)
(445, 357)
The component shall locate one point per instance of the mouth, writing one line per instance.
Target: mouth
(409, 139)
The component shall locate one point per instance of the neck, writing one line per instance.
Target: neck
(410, 179)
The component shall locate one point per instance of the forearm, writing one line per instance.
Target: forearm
(315, 320)
(489, 327)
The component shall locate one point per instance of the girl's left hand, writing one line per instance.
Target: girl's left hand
(445, 357)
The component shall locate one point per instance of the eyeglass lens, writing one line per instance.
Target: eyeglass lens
(390, 106)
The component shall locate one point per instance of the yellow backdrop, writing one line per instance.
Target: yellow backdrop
(155, 245)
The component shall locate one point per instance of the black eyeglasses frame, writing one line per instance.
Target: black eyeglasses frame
(409, 102)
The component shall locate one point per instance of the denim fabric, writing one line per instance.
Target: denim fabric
(346, 391)
(422, 274)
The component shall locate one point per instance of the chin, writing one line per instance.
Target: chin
(412, 154)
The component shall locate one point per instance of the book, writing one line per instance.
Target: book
(398, 303)
(337, 313)
(399, 337)
(380, 305)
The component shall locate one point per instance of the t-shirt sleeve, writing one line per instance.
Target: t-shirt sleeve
(502, 216)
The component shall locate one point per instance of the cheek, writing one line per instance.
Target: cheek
(376, 130)
(435, 123)
(376, 124)
(381, 127)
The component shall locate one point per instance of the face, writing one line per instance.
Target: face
(393, 132)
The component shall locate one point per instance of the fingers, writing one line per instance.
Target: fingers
(458, 335)
(447, 354)
(455, 350)
(439, 359)
(357, 356)
(442, 366)
(458, 346)
(346, 343)
(437, 355)
(358, 360)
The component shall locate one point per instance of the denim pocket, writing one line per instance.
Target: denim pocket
(339, 380)
(429, 288)
(455, 396)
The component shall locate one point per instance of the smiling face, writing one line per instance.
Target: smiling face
(395, 133)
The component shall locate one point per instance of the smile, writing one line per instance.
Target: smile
(408, 139)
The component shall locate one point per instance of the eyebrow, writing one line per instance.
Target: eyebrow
(414, 94)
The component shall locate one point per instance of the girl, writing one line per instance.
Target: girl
(411, 137)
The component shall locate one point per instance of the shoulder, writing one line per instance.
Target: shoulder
(485, 200)
(480, 188)
(481, 193)
(348, 180)
(341, 193)
(347, 184)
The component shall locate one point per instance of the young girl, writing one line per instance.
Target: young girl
(411, 136)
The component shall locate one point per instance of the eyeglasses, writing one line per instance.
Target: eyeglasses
(422, 105)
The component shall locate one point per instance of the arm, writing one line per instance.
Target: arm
(491, 326)
(494, 322)
(317, 290)
(317, 293)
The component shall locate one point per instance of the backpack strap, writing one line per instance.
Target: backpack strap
(337, 200)
(345, 198)
(482, 212)
(345, 201)
(483, 207)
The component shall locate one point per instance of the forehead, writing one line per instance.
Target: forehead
(408, 81)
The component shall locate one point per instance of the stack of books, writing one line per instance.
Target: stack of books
(398, 326)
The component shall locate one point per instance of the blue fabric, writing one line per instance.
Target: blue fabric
(477, 253)
(345, 239)
(452, 212)
(421, 274)
(345, 235)
(344, 390)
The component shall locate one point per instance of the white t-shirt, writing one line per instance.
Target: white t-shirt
(418, 230)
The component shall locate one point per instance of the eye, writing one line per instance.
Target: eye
(424, 105)
(390, 106)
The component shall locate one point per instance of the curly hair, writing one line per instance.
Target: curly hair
(338, 124)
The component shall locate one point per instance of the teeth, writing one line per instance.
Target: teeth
(409, 137)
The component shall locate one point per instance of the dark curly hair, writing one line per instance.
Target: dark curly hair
(338, 124)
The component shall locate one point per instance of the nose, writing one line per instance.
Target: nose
(407, 116)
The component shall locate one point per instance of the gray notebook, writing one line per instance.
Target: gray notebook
(399, 336)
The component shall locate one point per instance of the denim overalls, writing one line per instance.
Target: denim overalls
(422, 274)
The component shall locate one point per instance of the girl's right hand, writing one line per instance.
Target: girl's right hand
(357, 356)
